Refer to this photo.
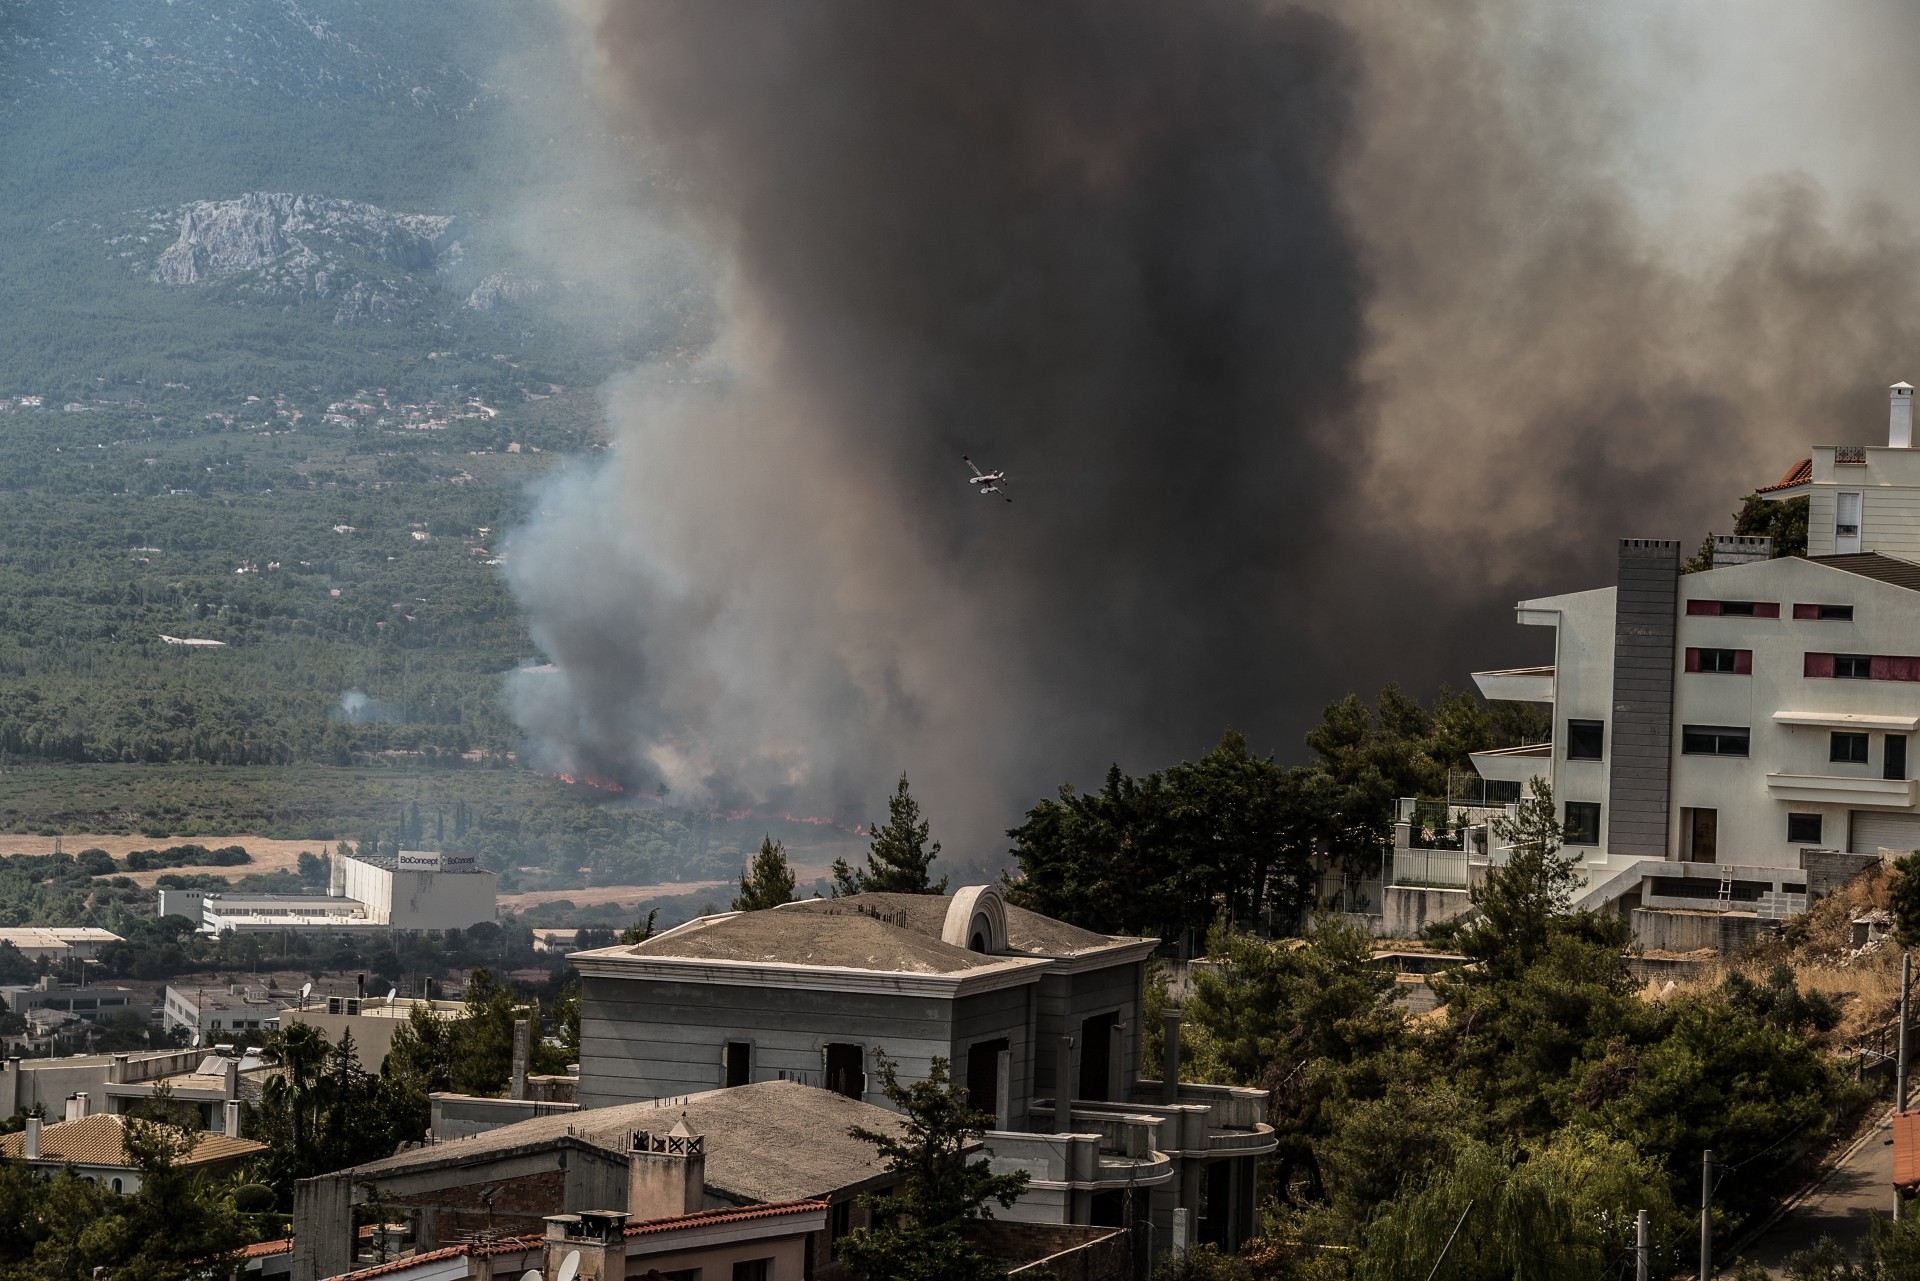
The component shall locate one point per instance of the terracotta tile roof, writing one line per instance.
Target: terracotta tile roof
(702, 1218)
(699, 1219)
(267, 1249)
(401, 1265)
(1800, 473)
(1906, 1150)
(100, 1140)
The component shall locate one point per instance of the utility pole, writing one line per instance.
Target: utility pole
(1900, 1063)
(1706, 1215)
(1640, 1247)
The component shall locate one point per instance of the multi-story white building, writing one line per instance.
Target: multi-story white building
(418, 890)
(1712, 728)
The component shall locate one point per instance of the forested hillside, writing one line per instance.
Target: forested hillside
(296, 302)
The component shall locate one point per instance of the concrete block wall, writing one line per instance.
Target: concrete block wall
(1664, 931)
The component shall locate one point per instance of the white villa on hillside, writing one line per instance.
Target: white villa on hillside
(1713, 730)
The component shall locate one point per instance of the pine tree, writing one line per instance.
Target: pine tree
(918, 1231)
(769, 882)
(899, 860)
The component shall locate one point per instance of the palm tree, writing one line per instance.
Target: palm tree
(301, 1050)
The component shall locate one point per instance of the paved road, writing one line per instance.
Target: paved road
(1857, 1191)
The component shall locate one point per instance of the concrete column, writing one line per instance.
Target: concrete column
(1170, 1058)
(1063, 1086)
(522, 1053)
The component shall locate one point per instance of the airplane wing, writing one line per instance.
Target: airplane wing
(969, 462)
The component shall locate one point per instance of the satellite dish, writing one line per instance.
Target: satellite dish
(196, 1040)
(568, 1266)
(532, 1274)
(392, 992)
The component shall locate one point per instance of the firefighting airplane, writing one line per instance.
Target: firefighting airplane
(990, 482)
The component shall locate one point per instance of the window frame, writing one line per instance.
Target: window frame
(1722, 736)
(1813, 612)
(1859, 667)
(1819, 826)
(1589, 810)
(1850, 737)
(1598, 728)
(1841, 528)
(1724, 662)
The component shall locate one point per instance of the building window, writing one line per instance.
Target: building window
(1803, 829)
(1735, 662)
(1824, 613)
(753, 1270)
(1734, 608)
(117, 1186)
(1853, 667)
(1714, 740)
(839, 1223)
(1846, 519)
(1586, 740)
(1582, 826)
(1848, 748)
(739, 1063)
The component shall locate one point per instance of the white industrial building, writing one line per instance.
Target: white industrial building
(1719, 734)
(417, 890)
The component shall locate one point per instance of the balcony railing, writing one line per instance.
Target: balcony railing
(1430, 869)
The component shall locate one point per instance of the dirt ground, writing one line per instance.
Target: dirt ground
(268, 855)
(624, 895)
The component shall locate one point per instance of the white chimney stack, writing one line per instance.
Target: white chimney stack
(233, 1118)
(73, 1108)
(1900, 416)
(33, 1138)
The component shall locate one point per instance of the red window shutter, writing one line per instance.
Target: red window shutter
(1709, 607)
(1819, 665)
(1693, 659)
(1892, 667)
(1743, 662)
(1807, 611)
(1766, 609)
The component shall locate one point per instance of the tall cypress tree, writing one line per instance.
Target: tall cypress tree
(899, 859)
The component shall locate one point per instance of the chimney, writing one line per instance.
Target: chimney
(233, 1119)
(230, 1078)
(1170, 1058)
(1900, 415)
(522, 1053)
(1063, 1086)
(117, 1070)
(666, 1173)
(336, 875)
(76, 1106)
(33, 1138)
(596, 1240)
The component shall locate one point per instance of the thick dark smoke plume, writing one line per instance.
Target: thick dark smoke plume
(1309, 336)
